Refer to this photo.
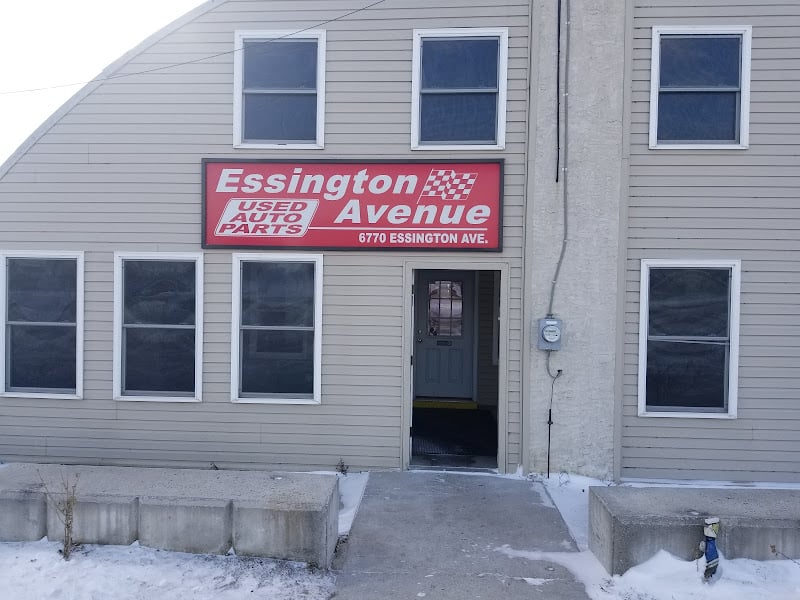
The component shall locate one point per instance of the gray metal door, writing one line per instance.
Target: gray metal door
(444, 334)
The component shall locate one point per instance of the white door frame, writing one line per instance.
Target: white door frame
(467, 263)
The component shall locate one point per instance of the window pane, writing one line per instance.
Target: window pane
(278, 294)
(445, 308)
(470, 63)
(686, 375)
(712, 116)
(41, 357)
(159, 360)
(689, 302)
(280, 117)
(42, 290)
(700, 61)
(280, 64)
(159, 292)
(458, 118)
(277, 362)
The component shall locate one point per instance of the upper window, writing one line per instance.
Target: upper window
(688, 338)
(279, 89)
(459, 88)
(158, 331)
(700, 87)
(41, 345)
(277, 315)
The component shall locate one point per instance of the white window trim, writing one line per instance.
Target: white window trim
(197, 258)
(502, 87)
(79, 292)
(238, 82)
(236, 307)
(733, 354)
(746, 31)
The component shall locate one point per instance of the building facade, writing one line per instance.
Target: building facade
(187, 346)
(291, 235)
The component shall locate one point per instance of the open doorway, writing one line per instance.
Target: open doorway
(455, 369)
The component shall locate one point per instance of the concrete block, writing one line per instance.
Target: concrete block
(627, 526)
(756, 540)
(97, 519)
(294, 515)
(22, 515)
(199, 525)
(306, 534)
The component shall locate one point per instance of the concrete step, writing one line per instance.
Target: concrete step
(291, 516)
(628, 525)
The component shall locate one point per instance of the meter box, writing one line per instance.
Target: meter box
(550, 333)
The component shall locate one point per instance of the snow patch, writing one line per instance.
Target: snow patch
(351, 490)
(535, 580)
(570, 494)
(35, 570)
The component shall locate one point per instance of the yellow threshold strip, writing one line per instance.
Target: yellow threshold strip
(454, 404)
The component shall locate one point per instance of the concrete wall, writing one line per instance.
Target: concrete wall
(586, 293)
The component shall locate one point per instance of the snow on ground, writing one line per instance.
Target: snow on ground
(35, 570)
(351, 489)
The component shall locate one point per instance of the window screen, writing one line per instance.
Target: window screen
(277, 329)
(688, 339)
(279, 90)
(459, 90)
(158, 327)
(41, 325)
(699, 88)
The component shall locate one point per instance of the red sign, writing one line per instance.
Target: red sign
(369, 205)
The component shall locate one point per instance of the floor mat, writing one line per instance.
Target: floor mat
(458, 432)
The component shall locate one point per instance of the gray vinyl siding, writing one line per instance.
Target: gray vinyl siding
(739, 204)
(120, 171)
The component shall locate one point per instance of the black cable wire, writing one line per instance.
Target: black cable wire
(550, 409)
(193, 61)
(558, 92)
(564, 185)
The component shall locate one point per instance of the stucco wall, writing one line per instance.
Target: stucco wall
(586, 293)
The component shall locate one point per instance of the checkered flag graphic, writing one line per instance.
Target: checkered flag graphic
(448, 185)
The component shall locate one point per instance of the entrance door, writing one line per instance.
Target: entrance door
(444, 334)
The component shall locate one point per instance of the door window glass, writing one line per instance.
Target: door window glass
(445, 305)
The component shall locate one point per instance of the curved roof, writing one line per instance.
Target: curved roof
(104, 75)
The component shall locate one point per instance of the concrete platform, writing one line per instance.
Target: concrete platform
(292, 516)
(628, 525)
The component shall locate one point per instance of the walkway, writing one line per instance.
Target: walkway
(440, 536)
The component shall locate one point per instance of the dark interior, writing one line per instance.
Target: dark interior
(454, 438)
